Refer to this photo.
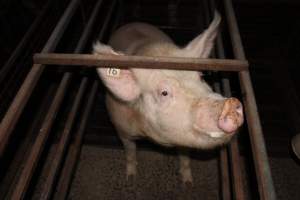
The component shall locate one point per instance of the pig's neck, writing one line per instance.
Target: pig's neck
(156, 48)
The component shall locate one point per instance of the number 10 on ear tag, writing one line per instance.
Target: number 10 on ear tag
(114, 72)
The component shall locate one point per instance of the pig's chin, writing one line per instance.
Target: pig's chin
(211, 138)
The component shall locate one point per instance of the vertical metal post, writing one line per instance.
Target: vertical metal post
(262, 168)
(224, 159)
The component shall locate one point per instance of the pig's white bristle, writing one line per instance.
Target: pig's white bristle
(216, 134)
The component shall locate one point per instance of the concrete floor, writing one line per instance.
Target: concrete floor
(101, 175)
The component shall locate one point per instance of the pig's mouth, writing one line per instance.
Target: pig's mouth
(215, 134)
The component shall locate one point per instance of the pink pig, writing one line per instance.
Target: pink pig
(170, 107)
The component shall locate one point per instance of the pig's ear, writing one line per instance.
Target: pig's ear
(202, 45)
(120, 82)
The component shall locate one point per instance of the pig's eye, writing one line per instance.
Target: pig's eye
(164, 93)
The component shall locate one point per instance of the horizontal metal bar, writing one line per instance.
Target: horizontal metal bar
(91, 60)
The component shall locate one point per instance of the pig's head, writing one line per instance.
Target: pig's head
(177, 107)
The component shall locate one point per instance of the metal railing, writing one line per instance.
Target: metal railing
(230, 158)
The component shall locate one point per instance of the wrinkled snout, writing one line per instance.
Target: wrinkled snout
(231, 117)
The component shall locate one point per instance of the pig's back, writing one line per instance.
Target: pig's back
(130, 37)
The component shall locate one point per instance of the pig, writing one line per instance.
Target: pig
(170, 107)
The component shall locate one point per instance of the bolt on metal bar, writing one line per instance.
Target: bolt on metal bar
(74, 149)
(123, 61)
(16, 108)
(262, 168)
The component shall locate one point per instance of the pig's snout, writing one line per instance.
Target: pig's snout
(231, 117)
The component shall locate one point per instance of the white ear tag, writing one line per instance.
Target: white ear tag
(114, 72)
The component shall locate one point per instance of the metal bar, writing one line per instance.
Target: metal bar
(224, 160)
(11, 175)
(37, 148)
(74, 149)
(57, 161)
(226, 192)
(23, 43)
(262, 168)
(16, 108)
(224, 163)
(46, 127)
(16, 76)
(60, 150)
(107, 19)
(90, 60)
(88, 28)
(233, 149)
(118, 16)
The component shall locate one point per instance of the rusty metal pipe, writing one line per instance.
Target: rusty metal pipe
(233, 148)
(262, 168)
(88, 28)
(46, 127)
(74, 149)
(57, 161)
(11, 175)
(61, 148)
(37, 147)
(223, 157)
(123, 61)
(16, 108)
(107, 19)
(23, 43)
